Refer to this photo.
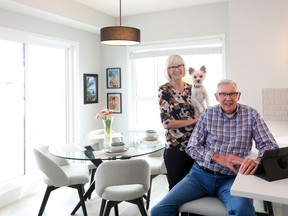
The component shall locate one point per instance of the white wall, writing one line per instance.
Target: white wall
(114, 57)
(183, 23)
(258, 47)
(64, 12)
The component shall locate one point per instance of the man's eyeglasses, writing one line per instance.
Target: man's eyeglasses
(223, 95)
(173, 68)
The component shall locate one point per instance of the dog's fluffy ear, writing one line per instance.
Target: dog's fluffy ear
(203, 68)
(191, 70)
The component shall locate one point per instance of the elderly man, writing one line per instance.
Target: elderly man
(220, 144)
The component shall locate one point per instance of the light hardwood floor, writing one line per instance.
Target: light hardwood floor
(62, 202)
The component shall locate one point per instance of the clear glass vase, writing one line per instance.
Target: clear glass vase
(107, 132)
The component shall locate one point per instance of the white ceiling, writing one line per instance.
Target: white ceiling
(135, 7)
(109, 7)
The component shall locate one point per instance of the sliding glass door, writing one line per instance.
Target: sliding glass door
(45, 116)
(33, 103)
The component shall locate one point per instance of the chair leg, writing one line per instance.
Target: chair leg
(49, 189)
(92, 176)
(103, 203)
(116, 210)
(82, 188)
(148, 195)
(110, 205)
(149, 192)
(82, 201)
(85, 196)
(139, 202)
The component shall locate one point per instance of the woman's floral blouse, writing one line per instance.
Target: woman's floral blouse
(176, 105)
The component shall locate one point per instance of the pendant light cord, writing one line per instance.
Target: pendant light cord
(120, 12)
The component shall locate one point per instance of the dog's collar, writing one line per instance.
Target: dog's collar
(197, 86)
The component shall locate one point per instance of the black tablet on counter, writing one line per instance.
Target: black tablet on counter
(273, 165)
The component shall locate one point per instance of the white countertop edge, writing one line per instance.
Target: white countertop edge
(251, 186)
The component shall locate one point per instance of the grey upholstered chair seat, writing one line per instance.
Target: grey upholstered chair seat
(126, 192)
(76, 174)
(208, 206)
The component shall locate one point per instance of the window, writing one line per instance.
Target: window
(11, 109)
(147, 74)
(33, 94)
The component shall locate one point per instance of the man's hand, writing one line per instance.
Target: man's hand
(249, 166)
(230, 161)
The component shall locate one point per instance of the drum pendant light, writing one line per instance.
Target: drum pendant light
(120, 35)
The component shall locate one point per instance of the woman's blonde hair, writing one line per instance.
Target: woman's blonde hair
(174, 60)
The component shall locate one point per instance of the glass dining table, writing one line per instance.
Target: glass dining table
(95, 153)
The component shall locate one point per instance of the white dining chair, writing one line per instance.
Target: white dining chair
(58, 173)
(212, 206)
(122, 180)
(208, 206)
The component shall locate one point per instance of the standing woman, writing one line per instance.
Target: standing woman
(178, 118)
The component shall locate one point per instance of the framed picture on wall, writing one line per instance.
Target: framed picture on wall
(113, 77)
(90, 88)
(114, 102)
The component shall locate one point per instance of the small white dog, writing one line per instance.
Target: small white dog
(199, 97)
